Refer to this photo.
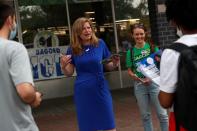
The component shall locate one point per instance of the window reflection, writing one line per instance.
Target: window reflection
(49, 19)
(43, 25)
(129, 12)
(100, 12)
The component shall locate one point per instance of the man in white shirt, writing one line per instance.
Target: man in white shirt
(182, 14)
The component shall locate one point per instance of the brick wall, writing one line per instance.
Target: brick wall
(162, 33)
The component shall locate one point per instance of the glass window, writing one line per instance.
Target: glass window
(100, 12)
(127, 13)
(44, 23)
(45, 32)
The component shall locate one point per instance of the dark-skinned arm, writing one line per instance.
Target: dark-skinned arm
(166, 99)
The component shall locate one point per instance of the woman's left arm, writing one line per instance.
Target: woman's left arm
(113, 64)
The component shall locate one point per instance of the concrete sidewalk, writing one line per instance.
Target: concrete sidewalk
(59, 114)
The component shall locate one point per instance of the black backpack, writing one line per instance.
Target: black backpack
(185, 99)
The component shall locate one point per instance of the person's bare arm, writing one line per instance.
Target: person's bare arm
(68, 70)
(110, 66)
(113, 64)
(166, 99)
(145, 81)
(28, 94)
(132, 74)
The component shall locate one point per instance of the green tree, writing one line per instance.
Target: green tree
(126, 9)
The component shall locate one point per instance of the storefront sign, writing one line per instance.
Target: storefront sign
(45, 39)
(45, 62)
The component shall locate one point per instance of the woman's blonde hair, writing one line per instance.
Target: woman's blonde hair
(76, 41)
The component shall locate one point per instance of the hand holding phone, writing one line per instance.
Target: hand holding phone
(65, 60)
(110, 59)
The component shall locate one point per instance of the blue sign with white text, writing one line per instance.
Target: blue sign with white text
(45, 62)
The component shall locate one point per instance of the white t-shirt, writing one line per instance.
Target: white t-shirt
(169, 64)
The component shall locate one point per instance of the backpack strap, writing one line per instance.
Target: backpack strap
(178, 47)
(132, 57)
(152, 46)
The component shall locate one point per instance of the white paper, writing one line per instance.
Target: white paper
(149, 68)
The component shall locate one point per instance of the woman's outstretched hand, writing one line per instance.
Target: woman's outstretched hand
(116, 60)
(65, 60)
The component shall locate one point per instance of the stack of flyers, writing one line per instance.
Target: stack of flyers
(148, 68)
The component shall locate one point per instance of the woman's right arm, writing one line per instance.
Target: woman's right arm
(132, 74)
(145, 81)
(129, 65)
(66, 65)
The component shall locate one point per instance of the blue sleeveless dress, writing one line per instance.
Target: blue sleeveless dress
(91, 92)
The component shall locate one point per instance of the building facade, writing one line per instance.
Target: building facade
(45, 30)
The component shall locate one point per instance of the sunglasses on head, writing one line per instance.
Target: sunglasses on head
(140, 25)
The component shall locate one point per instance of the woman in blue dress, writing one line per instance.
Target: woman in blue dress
(91, 93)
